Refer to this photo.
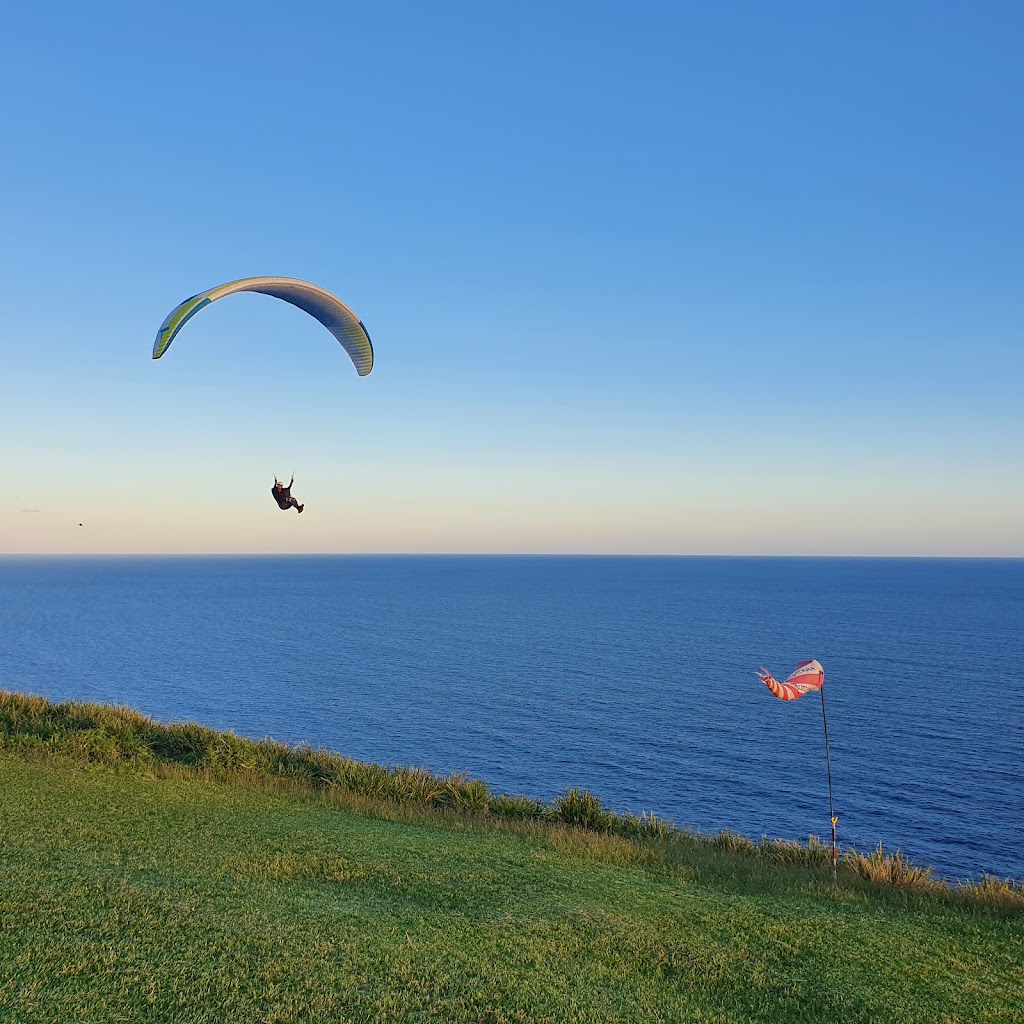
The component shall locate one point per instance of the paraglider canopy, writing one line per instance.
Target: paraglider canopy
(321, 304)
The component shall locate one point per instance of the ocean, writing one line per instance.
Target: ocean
(630, 677)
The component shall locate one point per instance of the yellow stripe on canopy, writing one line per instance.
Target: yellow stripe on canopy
(316, 301)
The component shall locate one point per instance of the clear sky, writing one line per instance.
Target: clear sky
(650, 277)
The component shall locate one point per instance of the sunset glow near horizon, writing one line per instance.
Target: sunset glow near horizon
(682, 280)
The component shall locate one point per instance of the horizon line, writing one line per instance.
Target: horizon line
(492, 554)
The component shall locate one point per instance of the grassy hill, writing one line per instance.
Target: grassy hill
(169, 886)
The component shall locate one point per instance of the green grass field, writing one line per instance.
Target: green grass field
(167, 895)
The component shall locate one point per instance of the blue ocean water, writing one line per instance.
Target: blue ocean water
(631, 677)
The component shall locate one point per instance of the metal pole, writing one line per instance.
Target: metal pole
(828, 766)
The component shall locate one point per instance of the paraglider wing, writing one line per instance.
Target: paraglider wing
(808, 676)
(318, 303)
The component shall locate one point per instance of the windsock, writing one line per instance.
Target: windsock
(808, 676)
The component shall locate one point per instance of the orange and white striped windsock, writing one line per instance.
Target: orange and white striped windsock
(808, 676)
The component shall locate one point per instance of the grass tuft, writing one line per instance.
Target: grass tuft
(581, 809)
(890, 869)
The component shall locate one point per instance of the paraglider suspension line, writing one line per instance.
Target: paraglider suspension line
(828, 768)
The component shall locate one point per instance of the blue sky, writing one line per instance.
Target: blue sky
(658, 277)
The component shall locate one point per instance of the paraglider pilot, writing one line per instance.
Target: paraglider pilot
(283, 495)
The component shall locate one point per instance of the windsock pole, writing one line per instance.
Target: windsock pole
(828, 768)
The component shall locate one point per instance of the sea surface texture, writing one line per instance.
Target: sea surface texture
(630, 677)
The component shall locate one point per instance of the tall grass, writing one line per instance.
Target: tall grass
(121, 738)
(891, 869)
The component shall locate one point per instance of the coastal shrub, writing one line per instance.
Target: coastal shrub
(516, 807)
(731, 842)
(813, 853)
(582, 809)
(419, 786)
(23, 715)
(318, 767)
(648, 826)
(997, 892)
(184, 742)
(369, 780)
(229, 754)
(473, 795)
(891, 869)
(279, 760)
(99, 746)
(115, 717)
